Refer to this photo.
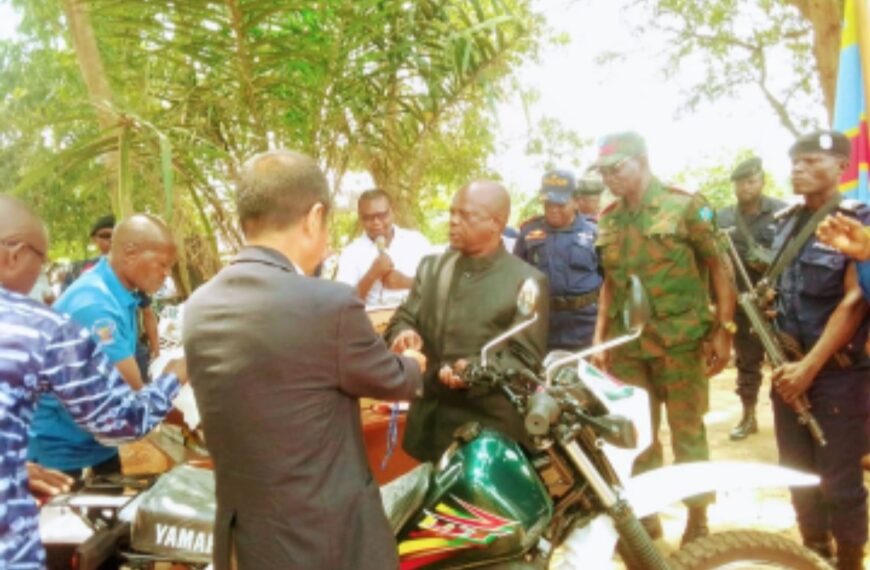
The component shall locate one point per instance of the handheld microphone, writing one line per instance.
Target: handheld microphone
(381, 244)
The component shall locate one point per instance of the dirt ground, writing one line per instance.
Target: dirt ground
(766, 509)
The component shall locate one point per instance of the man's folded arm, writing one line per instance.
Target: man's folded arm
(366, 367)
(80, 375)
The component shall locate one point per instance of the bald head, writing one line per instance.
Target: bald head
(143, 252)
(143, 231)
(478, 214)
(23, 245)
(492, 197)
(17, 218)
(276, 189)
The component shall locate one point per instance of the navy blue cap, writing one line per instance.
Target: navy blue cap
(558, 186)
(830, 142)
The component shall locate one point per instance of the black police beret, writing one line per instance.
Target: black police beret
(589, 187)
(107, 221)
(830, 142)
(747, 168)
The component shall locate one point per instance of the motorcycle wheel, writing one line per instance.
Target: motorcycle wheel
(737, 550)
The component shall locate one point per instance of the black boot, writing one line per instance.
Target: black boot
(850, 556)
(696, 526)
(747, 426)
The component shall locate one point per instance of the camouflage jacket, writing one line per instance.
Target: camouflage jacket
(664, 242)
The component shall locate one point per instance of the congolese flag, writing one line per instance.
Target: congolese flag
(853, 89)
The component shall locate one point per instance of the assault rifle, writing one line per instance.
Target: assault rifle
(751, 302)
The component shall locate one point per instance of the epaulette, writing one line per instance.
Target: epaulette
(530, 220)
(851, 206)
(787, 211)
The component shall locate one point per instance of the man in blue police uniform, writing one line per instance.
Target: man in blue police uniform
(822, 318)
(561, 244)
(751, 225)
(105, 300)
(44, 352)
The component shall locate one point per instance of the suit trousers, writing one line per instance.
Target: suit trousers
(838, 400)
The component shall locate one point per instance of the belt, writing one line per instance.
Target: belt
(573, 302)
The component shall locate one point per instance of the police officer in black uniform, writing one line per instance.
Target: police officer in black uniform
(822, 319)
(587, 197)
(751, 225)
(561, 244)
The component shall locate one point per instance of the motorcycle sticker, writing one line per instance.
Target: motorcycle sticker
(447, 530)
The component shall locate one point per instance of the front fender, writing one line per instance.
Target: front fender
(649, 492)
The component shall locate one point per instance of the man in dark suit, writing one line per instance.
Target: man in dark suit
(277, 362)
(459, 301)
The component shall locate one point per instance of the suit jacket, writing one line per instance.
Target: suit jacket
(277, 363)
(457, 304)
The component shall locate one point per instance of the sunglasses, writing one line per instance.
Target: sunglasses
(104, 235)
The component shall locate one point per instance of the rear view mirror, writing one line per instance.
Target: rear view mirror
(636, 312)
(527, 297)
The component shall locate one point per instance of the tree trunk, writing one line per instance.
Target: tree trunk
(99, 91)
(826, 18)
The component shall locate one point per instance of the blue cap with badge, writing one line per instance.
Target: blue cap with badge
(558, 186)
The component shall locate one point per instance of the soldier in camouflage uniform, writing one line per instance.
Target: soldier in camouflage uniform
(666, 237)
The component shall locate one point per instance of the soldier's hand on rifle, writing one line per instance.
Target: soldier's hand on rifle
(793, 379)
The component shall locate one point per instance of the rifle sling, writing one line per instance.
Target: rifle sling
(796, 242)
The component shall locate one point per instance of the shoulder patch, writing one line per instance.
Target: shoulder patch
(706, 213)
(851, 206)
(104, 331)
(785, 212)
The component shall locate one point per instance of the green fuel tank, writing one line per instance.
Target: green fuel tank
(487, 504)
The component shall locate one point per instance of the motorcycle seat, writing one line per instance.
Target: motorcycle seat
(402, 497)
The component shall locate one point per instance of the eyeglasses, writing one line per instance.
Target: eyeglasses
(104, 235)
(42, 255)
(613, 169)
(376, 216)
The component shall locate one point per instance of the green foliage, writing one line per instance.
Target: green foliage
(555, 146)
(764, 44)
(714, 180)
(402, 90)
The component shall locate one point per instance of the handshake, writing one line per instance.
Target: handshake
(408, 343)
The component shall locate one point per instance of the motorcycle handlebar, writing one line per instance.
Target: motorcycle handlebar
(543, 411)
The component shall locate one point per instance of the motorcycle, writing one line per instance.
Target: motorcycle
(568, 502)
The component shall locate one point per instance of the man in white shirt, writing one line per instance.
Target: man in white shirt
(382, 262)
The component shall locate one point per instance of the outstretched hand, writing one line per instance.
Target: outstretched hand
(407, 340)
(418, 356)
(845, 234)
(44, 481)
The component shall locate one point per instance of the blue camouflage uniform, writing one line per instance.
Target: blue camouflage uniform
(567, 256)
(808, 292)
(43, 352)
(99, 302)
